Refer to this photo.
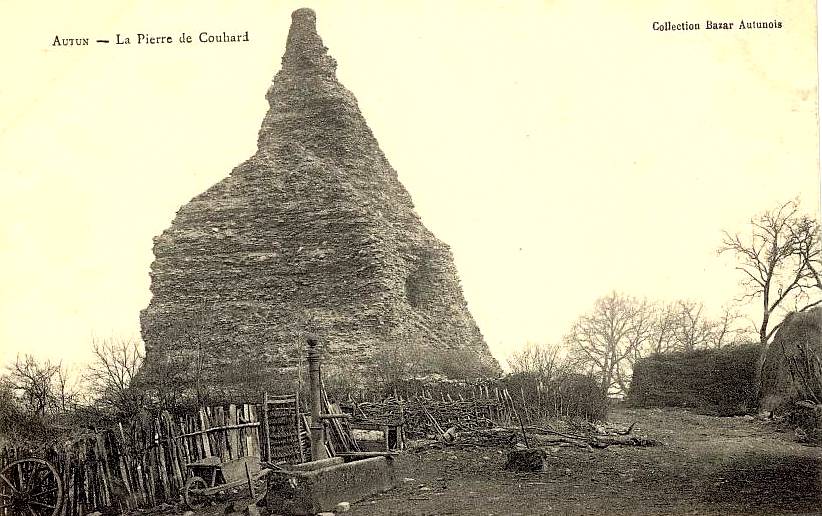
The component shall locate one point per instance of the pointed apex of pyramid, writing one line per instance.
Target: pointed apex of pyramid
(304, 14)
(314, 232)
(304, 51)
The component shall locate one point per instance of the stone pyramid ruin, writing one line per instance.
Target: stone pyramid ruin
(313, 233)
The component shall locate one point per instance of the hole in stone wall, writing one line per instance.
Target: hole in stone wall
(412, 291)
(419, 283)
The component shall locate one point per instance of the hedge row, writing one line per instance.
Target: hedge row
(716, 382)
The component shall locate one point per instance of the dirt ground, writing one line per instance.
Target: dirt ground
(708, 465)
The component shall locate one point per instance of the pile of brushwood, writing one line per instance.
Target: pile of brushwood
(585, 435)
(422, 406)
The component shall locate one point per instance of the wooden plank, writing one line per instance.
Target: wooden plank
(148, 469)
(385, 433)
(265, 435)
(162, 469)
(224, 439)
(234, 435)
(365, 454)
(248, 444)
(125, 470)
(204, 437)
(254, 434)
(174, 450)
(300, 442)
(69, 485)
(102, 461)
(215, 435)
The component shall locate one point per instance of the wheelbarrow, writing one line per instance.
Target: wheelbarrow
(210, 476)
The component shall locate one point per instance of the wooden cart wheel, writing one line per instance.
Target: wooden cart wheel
(30, 487)
(193, 494)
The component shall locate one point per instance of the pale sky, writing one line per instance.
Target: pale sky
(561, 148)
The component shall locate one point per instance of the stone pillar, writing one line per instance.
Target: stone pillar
(317, 428)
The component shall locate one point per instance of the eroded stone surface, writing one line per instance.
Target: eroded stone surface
(312, 233)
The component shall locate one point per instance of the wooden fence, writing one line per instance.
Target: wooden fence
(476, 407)
(143, 463)
(417, 413)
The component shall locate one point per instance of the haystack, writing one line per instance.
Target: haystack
(709, 381)
(793, 365)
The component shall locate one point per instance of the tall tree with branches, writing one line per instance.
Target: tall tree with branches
(779, 263)
(692, 329)
(664, 338)
(610, 338)
(807, 249)
(111, 375)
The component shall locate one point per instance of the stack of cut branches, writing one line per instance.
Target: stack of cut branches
(593, 436)
(490, 438)
(597, 436)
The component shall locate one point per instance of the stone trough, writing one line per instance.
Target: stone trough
(318, 486)
(321, 484)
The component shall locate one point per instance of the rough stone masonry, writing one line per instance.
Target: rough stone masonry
(314, 233)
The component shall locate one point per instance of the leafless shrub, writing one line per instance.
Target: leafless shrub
(541, 361)
(41, 387)
(111, 376)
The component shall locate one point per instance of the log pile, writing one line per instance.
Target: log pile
(538, 437)
(590, 435)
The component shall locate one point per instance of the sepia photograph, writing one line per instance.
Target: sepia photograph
(410, 258)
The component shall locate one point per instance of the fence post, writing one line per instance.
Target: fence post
(317, 428)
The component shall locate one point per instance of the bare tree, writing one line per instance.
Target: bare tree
(112, 373)
(542, 361)
(807, 249)
(177, 376)
(392, 363)
(32, 381)
(611, 337)
(639, 335)
(34, 384)
(779, 262)
(693, 329)
(684, 326)
(166, 382)
(726, 330)
(66, 389)
(663, 339)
